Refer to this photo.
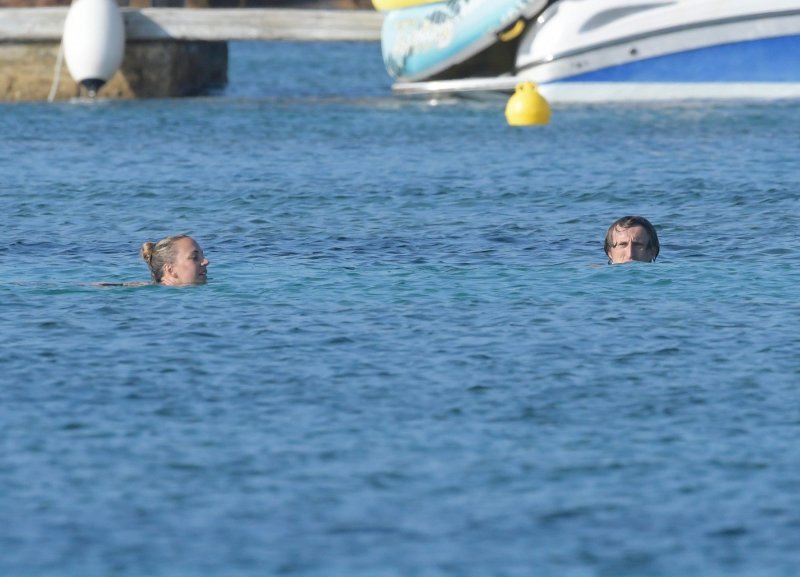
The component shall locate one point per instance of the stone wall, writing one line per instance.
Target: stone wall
(150, 70)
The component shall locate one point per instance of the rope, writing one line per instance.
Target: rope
(56, 73)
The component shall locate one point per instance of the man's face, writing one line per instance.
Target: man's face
(629, 244)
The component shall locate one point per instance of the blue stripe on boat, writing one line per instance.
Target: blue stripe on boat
(767, 60)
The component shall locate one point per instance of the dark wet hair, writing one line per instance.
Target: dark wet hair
(629, 222)
(157, 254)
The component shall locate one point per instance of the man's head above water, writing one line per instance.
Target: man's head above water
(631, 238)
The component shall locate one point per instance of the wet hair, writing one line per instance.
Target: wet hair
(629, 222)
(158, 254)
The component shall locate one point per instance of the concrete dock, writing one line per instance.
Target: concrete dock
(169, 51)
(213, 24)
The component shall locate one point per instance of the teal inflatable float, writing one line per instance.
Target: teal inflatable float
(420, 42)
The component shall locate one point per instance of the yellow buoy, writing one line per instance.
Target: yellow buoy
(527, 107)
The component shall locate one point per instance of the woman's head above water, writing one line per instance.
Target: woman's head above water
(175, 261)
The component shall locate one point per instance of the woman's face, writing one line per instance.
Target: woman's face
(189, 266)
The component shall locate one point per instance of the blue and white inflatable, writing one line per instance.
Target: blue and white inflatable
(423, 41)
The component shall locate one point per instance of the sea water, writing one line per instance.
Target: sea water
(410, 358)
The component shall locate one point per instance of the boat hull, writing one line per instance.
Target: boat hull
(677, 42)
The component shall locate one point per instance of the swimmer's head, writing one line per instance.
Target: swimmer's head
(631, 238)
(175, 261)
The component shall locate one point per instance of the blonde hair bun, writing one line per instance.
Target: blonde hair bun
(147, 251)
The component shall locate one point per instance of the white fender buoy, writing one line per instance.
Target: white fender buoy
(94, 42)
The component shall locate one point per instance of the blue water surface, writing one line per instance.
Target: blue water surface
(410, 358)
